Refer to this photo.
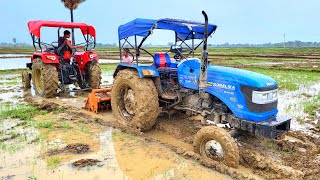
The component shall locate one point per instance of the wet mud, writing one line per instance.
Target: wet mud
(81, 139)
(85, 162)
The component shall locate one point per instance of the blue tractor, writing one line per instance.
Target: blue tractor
(244, 99)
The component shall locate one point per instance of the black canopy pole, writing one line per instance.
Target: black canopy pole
(120, 51)
(136, 49)
(192, 44)
(204, 58)
(33, 43)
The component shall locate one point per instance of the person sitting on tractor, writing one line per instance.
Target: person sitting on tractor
(65, 47)
(126, 58)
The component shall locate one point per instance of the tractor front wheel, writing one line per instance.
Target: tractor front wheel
(26, 80)
(134, 100)
(93, 75)
(45, 78)
(217, 144)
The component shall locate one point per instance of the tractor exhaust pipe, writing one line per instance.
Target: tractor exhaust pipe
(204, 57)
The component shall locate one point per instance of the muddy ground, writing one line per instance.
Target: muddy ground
(57, 139)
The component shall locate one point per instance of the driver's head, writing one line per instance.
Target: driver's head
(66, 34)
(126, 51)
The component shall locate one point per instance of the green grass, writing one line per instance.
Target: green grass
(311, 106)
(9, 83)
(66, 125)
(289, 79)
(84, 128)
(53, 162)
(23, 112)
(16, 50)
(14, 148)
(48, 125)
(212, 50)
(11, 71)
(108, 67)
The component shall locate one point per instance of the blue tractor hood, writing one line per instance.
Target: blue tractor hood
(189, 70)
(241, 76)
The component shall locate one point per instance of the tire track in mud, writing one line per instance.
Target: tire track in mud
(263, 166)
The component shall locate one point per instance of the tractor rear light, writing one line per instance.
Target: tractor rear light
(51, 57)
(147, 72)
(264, 97)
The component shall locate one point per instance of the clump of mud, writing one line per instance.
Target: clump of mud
(77, 148)
(85, 163)
(49, 106)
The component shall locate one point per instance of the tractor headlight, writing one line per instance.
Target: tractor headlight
(91, 56)
(51, 58)
(264, 97)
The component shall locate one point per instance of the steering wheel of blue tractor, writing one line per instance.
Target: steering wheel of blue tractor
(177, 56)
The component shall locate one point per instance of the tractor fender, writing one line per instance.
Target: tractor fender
(48, 58)
(145, 71)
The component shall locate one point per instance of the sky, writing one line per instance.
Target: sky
(238, 21)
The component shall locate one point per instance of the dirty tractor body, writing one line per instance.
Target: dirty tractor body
(222, 95)
(51, 69)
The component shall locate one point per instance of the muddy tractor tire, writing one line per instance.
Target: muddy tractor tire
(26, 80)
(217, 144)
(134, 100)
(44, 78)
(93, 75)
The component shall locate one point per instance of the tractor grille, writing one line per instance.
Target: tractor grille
(258, 108)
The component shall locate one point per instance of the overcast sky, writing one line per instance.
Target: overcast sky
(238, 21)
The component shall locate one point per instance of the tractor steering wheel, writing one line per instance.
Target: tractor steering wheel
(177, 56)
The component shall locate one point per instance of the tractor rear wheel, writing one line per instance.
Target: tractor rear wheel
(217, 144)
(26, 80)
(45, 78)
(93, 75)
(134, 100)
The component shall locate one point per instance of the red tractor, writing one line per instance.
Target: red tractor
(52, 70)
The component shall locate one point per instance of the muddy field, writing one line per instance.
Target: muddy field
(57, 139)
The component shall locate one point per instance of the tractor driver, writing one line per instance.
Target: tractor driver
(65, 47)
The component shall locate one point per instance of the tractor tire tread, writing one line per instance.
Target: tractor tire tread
(146, 97)
(230, 147)
(49, 74)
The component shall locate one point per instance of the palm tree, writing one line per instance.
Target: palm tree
(72, 5)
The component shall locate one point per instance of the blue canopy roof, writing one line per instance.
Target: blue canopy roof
(183, 28)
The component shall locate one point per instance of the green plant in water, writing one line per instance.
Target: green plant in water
(53, 162)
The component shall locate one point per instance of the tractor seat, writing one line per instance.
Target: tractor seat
(162, 60)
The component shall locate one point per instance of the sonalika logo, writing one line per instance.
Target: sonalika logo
(219, 85)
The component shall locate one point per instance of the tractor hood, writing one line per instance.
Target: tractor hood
(240, 76)
(189, 75)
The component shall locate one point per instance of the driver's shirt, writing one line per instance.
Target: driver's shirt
(61, 42)
(127, 59)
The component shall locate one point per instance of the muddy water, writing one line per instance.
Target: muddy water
(291, 103)
(121, 157)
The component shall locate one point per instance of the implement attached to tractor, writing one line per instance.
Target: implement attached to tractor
(99, 99)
